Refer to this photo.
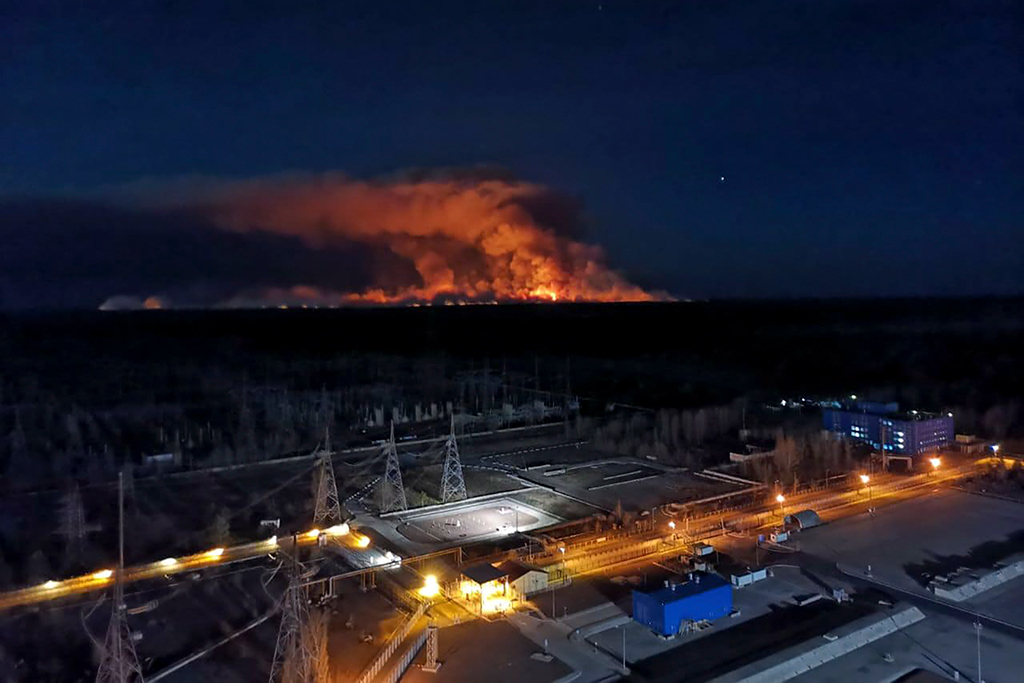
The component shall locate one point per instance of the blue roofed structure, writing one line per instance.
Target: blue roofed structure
(666, 610)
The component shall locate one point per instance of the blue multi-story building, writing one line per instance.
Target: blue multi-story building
(887, 429)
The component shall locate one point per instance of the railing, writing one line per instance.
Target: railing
(394, 674)
(394, 641)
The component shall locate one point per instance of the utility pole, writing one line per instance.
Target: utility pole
(453, 486)
(623, 627)
(119, 663)
(393, 492)
(977, 630)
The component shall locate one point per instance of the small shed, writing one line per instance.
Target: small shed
(524, 578)
(481, 574)
(665, 611)
(805, 519)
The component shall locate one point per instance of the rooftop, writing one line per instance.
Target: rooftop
(482, 573)
(904, 416)
(701, 583)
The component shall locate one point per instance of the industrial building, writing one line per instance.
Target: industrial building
(524, 579)
(496, 588)
(887, 429)
(671, 609)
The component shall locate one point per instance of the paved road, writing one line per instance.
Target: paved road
(591, 664)
(103, 578)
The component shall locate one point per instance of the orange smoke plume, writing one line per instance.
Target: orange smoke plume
(464, 240)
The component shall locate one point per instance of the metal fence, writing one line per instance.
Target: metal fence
(393, 674)
(393, 643)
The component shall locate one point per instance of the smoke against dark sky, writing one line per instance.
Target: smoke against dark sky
(316, 240)
(871, 147)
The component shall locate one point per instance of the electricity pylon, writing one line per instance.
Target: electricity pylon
(119, 663)
(453, 486)
(72, 525)
(327, 511)
(393, 494)
(300, 655)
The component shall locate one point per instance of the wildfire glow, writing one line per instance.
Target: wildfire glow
(431, 241)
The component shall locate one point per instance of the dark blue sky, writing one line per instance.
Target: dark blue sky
(868, 147)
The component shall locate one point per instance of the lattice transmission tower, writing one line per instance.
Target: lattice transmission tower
(327, 511)
(453, 486)
(392, 494)
(300, 655)
(119, 663)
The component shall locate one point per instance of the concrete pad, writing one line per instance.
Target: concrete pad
(486, 651)
(899, 536)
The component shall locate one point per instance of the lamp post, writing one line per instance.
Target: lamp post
(866, 480)
(977, 630)
(936, 463)
(623, 627)
(782, 506)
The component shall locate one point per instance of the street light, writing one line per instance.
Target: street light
(866, 480)
(430, 587)
(977, 630)
(782, 506)
(935, 463)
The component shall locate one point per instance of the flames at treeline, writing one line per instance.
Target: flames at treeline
(440, 240)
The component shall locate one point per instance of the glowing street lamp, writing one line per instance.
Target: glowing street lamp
(935, 463)
(782, 505)
(430, 587)
(866, 480)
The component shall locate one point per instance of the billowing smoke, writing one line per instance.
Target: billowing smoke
(303, 240)
(464, 239)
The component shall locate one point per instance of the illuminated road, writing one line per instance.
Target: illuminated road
(578, 557)
(100, 579)
(596, 553)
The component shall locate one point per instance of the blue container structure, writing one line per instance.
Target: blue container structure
(704, 596)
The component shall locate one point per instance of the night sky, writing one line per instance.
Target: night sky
(712, 148)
